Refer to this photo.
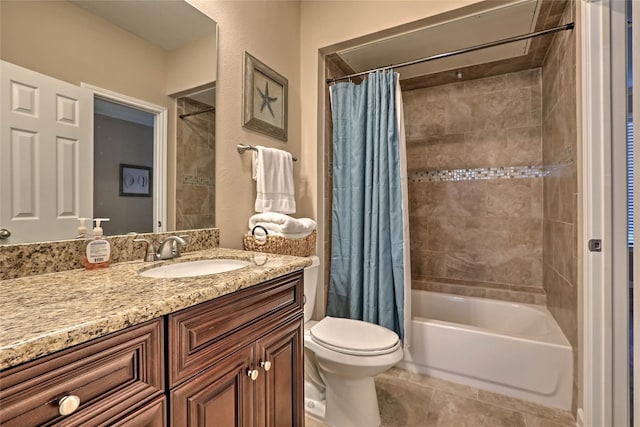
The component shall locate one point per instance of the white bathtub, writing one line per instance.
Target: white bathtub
(508, 348)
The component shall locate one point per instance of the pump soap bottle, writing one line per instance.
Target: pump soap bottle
(98, 253)
(82, 229)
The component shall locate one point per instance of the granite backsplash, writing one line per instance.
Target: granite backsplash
(30, 259)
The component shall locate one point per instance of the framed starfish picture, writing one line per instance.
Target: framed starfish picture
(265, 99)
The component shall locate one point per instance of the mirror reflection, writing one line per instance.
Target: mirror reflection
(144, 64)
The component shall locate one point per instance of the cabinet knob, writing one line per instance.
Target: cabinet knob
(67, 405)
(265, 365)
(253, 374)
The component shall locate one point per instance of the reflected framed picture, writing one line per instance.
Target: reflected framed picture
(135, 180)
(265, 99)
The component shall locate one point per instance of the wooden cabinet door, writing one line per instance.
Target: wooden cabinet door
(221, 396)
(279, 394)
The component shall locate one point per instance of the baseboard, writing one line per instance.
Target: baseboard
(579, 417)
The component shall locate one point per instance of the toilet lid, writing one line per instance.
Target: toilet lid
(354, 336)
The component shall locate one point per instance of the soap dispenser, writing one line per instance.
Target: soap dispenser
(98, 252)
(82, 229)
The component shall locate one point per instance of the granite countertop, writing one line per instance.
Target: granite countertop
(50, 312)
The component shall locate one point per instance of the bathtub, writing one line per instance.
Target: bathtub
(509, 348)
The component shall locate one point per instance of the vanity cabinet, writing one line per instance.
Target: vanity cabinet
(114, 380)
(238, 360)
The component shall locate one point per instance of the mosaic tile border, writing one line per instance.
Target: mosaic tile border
(507, 172)
(196, 180)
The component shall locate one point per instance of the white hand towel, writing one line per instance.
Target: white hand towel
(260, 234)
(279, 223)
(273, 173)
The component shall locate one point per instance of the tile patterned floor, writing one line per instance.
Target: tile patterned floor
(412, 400)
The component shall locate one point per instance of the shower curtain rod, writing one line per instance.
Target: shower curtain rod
(206, 110)
(565, 27)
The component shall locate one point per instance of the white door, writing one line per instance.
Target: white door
(46, 155)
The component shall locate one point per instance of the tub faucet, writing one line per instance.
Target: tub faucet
(170, 247)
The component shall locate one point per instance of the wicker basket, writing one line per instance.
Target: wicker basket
(280, 245)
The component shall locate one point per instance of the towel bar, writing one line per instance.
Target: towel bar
(244, 147)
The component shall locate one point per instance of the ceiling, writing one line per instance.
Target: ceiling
(162, 19)
(503, 20)
(204, 96)
(496, 24)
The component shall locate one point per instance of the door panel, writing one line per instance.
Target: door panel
(282, 385)
(222, 396)
(46, 155)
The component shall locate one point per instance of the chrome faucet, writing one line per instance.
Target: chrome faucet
(169, 248)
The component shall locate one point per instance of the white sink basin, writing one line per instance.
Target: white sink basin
(201, 267)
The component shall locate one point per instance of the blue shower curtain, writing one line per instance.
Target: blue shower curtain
(367, 279)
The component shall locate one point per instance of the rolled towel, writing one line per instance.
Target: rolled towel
(280, 223)
(260, 234)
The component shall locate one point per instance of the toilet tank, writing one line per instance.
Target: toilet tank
(310, 286)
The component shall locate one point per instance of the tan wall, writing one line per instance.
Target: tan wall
(193, 65)
(68, 43)
(270, 31)
(560, 148)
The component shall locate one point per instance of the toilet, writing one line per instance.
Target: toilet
(341, 357)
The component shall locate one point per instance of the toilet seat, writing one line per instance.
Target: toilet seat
(354, 337)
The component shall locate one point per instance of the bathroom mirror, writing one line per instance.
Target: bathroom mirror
(137, 58)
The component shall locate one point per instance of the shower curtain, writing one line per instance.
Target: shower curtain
(370, 270)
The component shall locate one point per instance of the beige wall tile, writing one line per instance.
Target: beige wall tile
(560, 186)
(485, 85)
(427, 263)
(464, 113)
(509, 108)
(478, 237)
(422, 117)
(509, 198)
(457, 199)
(485, 148)
(524, 79)
(524, 145)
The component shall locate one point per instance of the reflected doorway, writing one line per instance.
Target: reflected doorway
(125, 119)
(122, 136)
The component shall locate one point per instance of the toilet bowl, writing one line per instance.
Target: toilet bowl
(342, 356)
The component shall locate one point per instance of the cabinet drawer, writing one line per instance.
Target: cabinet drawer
(201, 335)
(150, 415)
(110, 375)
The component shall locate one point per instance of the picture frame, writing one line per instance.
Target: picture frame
(265, 98)
(135, 181)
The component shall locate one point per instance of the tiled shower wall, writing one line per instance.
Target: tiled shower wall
(560, 186)
(195, 160)
(474, 153)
